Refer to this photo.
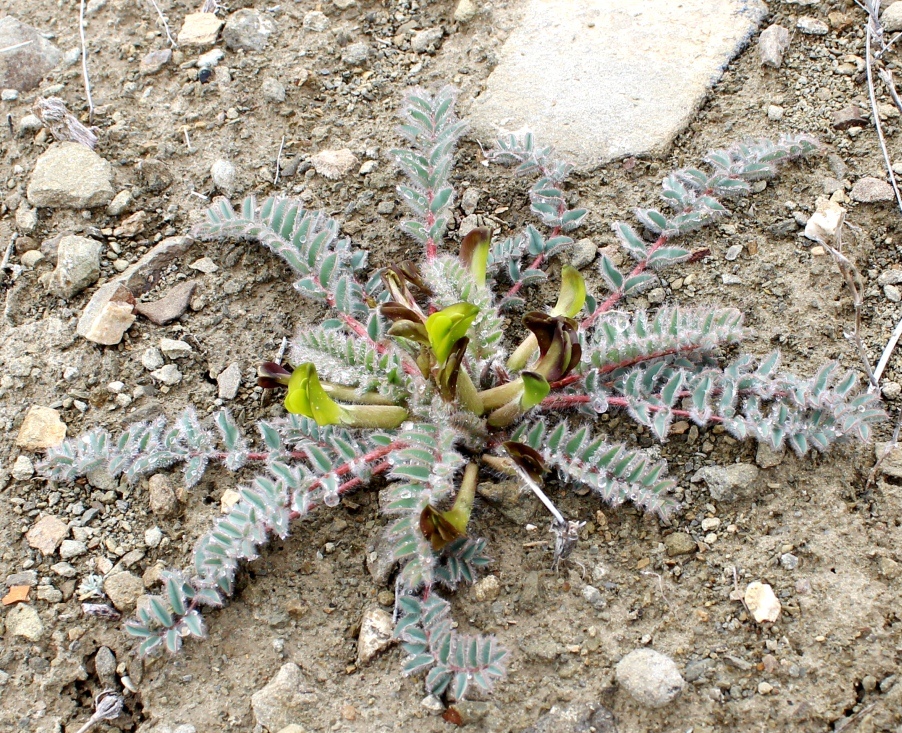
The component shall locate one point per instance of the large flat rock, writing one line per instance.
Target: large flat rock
(603, 79)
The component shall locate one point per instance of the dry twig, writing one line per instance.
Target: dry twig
(84, 59)
(63, 125)
(164, 22)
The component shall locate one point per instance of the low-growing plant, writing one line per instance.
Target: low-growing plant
(414, 377)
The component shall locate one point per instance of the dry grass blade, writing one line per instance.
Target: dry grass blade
(84, 59)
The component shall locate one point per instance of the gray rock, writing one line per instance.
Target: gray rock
(772, 44)
(286, 699)
(789, 561)
(31, 258)
(72, 548)
(356, 54)
(145, 273)
(812, 26)
(651, 678)
(465, 11)
(124, 589)
(273, 90)
(120, 203)
(26, 577)
(155, 61)
(23, 620)
(105, 666)
(612, 94)
(581, 717)
(594, 597)
(727, 483)
(470, 200)
(869, 190)
(697, 669)
(108, 315)
(247, 29)
(49, 594)
(23, 469)
(24, 67)
(376, 634)
(334, 164)
(161, 494)
(733, 253)
(70, 175)
(77, 266)
(583, 253)
(168, 375)
(223, 174)
(175, 349)
(892, 17)
(229, 381)
(424, 40)
(26, 217)
(316, 21)
(153, 536)
(152, 359)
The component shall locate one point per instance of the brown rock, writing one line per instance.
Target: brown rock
(132, 226)
(145, 273)
(869, 190)
(199, 29)
(46, 535)
(124, 589)
(173, 304)
(679, 543)
(154, 175)
(850, 116)
(163, 501)
(42, 428)
(23, 68)
(108, 315)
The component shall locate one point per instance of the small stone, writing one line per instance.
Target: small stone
(729, 278)
(892, 293)
(386, 208)
(170, 307)
(30, 124)
(765, 688)
(376, 634)
(286, 698)
(248, 29)
(124, 589)
(162, 498)
(470, 200)
(583, 253)
(367, 167)
(108, 315)
(229, 498)
(168, 375)
(733, 252)
(892, 17)
(154, 62)
(316, 21)
(229, 381)
(64, 569)
(823, 223)
(199, 29)
(426, 39)
(9, 95)
(210, 59)
(151, 358)
(487, 589)
(72, 548)
(120, 203)
(812, 26)
(679, 543)
(726, 483)
(334, 164)
(891, 390)
(762, 602)
(105, 666)
(710, 523)
(223, 174)
(77, 266)
(869, 683)
(49, 594)
(849, 116)
(26, 217)
(23, 469)
(890, 277)
(273, 90)
(467, 225)
(23, 620)
(344, 4)
(46, 535)
(774, 113)
(31, 258)
(70, 175)
(42, 428)
(465, 11)
(772, 45)
(174, 349)
(871, 190)
(204, 265)
(355, 54)
(651, 678)
(153, 536)
(789, 561)
(594, 597)
(24, 67)
(131, 227)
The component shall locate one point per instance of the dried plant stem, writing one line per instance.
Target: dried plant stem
(15, 46)
(84, 60)
(887, 351)
(279, 162)
(107, 706)
(872, 24)
(164, 22)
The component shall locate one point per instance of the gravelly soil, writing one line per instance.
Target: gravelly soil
(830, 661)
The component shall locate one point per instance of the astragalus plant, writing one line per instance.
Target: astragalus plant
(413, 382)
